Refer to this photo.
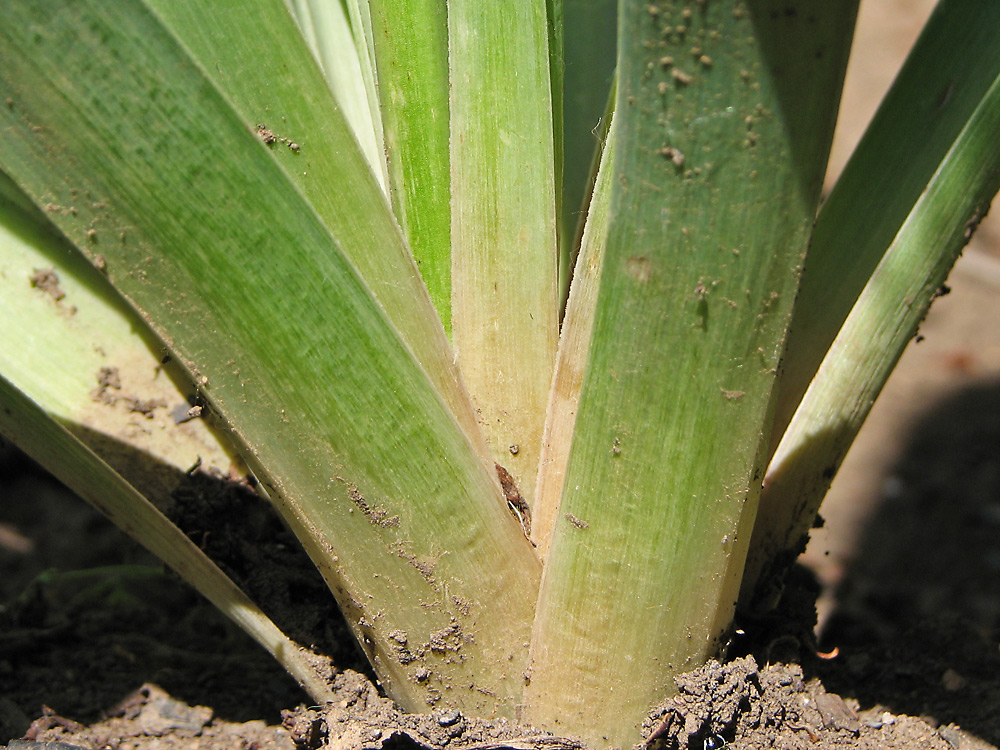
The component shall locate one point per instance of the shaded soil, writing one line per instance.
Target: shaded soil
(99, 648)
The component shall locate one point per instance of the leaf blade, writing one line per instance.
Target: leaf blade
(721, 145)
(905, 238)
(505, 298)
(410, 45)
(313, 379)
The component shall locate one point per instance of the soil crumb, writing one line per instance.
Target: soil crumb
(47, 280)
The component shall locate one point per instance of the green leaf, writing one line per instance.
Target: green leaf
(505, 303)
(410, 44)
(28, 426)
(328, 169)
(723, 123)
(246, 268)
(327, 30)
(927, 107)
(913, 229)
(574, 353)
(73, 346)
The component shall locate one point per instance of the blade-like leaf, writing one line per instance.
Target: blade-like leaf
(574, 351)
(206, 232)
(327, 30)
(326, 168)
(933, 98)
(505, 303)
(73, 346)
(945, 210)
(589, 69)
(27, 425)
(411, 42)
(723, 123)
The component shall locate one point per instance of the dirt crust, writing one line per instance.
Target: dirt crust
(735, 705)
(739, 705)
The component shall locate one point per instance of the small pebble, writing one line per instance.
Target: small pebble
(449, 718)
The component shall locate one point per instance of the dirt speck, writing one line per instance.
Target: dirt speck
(446, 639)
(266, 135)
(375, 514)
(682, 78)
(146, 407)
(47, 280)
(423, 565)
(108, 380)
(269, 137)
(673, 154)
(109, 377)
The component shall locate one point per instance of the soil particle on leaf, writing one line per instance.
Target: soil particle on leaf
(109, 377)
(682, 78)
(108, 391)
(446, 639)
(146, 407)
(269, 137)
(266, 135)
(672, 154)
(108, 380)
(47, 280)
(378, 516)
(185, 412)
